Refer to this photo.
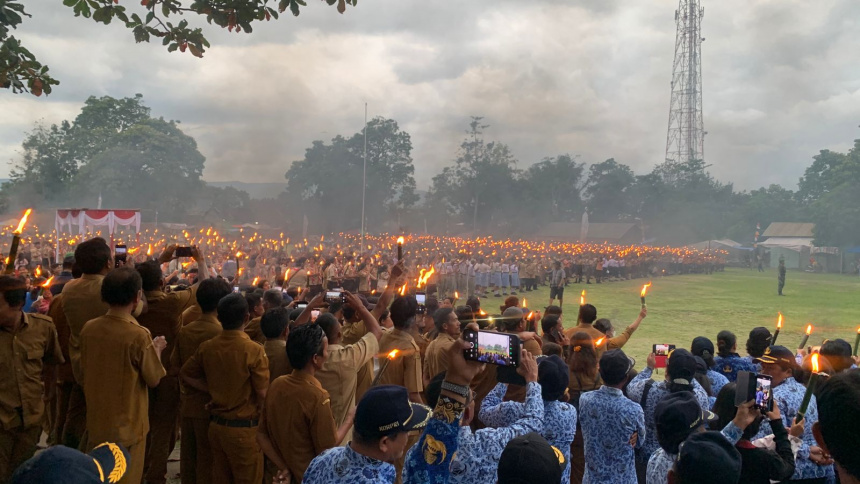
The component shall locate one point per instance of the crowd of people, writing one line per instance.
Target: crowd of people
(308, 376)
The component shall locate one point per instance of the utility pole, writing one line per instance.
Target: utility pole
(364, 179)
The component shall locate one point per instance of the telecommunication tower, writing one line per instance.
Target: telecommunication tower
(686, 136)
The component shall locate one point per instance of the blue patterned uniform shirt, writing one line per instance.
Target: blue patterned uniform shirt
(657, 392)
(608, 420)
(661, 461)
(731, 365)
(471, 458)
(559, 420)
(342, 464)
(718, 381)
(788, 396)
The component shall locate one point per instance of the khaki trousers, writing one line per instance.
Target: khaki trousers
(236, 456)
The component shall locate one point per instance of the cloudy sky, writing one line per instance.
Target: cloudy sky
(585, 77)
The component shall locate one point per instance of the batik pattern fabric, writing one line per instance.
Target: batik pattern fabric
(559, 420)
(342, 464)
(729, 366)
(661, 461)
(718, 381)
(608, 420)
(428, 460)
(657, 392)
(788, 395)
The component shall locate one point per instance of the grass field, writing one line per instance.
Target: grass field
(683, 307)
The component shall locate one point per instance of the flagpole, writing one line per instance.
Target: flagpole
(364, 179)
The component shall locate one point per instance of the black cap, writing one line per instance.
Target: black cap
(701, 366)
(760, 336)
(106, 463)
(386, 410)
(681, 366)
(553, 376)
(779, 355)
(614, 366)
(701, 345)
(708, 458)
(676, 416)
(530, 458)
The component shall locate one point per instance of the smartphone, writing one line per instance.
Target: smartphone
(301, 305)
(120, 254)
(183, 252)
(495, 348)
(236, 289)
(335, 297)
(315, 313)
(661, 353)
(421, 298)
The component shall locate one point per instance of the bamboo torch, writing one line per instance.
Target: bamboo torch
(16, 239)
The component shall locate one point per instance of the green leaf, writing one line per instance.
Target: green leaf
(70, 3)
(294, 8)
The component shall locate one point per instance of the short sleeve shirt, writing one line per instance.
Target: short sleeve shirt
(405, 369)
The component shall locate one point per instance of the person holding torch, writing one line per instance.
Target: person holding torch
(811, 463)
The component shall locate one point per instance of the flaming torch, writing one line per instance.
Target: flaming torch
(456, 297)
(805, 337)
(599, 342)
(388, 359)
(47, 284)
(582, 298)
(642, 294)
(778, 327)
(857, 342)
(400, 241)
(810, 387)
(16, 239)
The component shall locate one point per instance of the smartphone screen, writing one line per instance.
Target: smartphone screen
(661, 353)
(183, 252)
(763, 393)
(236, 289)
(315, 313)
(301, 306)
(421, 298)
(333, 296)
(121, 250)
(494, 348)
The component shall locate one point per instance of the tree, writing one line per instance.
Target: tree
(829, 186)
(481, 181)
(607, 190)
(21, 71)
(115, 149)
(327, 184)
(554, 185)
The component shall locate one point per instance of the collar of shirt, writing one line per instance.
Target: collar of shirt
(209, 318)
(92, 277)
(124, 316)
(611, 390)
(235, 334)
(24, 324)
(304, 377)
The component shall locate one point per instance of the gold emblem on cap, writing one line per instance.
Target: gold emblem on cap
(558, 455)
(767, 350)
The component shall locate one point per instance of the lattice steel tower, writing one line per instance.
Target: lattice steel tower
(686, 136)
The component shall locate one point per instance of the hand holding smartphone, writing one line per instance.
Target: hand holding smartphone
(661, 354)
(754, 386)
(491, 347)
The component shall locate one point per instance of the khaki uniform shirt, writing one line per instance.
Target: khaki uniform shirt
(191, 314)
(420, 340)
(235, 369)
(298, 420)
(22, 354)
(339, 374)
(436, 358)
(300, 279)
(254, 332)
(82, 301)
(276, 352)
(612, 344)
(55, 312)
(192, 401)
(118, 363)
(405, 369)
(164, 316)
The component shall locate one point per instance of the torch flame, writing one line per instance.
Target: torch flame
(403, 289)
(815, 363)
(808, 330)
(525, 303)
(858, 330)
(23, 221)
(599, 342)
(779, 321)
(38, 271)
(286, 276)
(393, 354)
(149, 250)
(400, 240)
(255, 281)
(238, 254)
(48, 282)
(482, 312)
(531, 313)
(456, 295)
(644, 289)
(582, 298)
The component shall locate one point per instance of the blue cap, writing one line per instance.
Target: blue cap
(107, 463)
(386, 410)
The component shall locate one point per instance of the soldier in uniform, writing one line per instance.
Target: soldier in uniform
(234, 371)
(119, 361)
(195, 464)
(27, 342)
(781, 275)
